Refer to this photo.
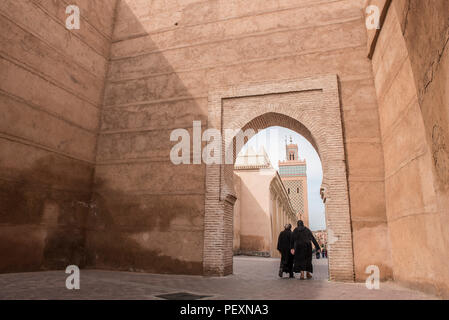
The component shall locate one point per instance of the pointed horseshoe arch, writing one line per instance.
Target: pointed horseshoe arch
(309, 106)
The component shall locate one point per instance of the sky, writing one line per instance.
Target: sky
(273, 140)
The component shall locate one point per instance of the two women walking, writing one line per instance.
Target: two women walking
(296, 255)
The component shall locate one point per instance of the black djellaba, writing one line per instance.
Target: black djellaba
(301, 243)
(283, 247)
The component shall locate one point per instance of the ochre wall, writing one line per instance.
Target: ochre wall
(410, 64)
(261, 211)
(99, 190)
(150, 211)
(51, 92)
(255, 226)
(165, 58)
(254, 210)
(426, 33)
(236, 217)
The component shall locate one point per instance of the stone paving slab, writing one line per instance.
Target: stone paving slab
(253, 278)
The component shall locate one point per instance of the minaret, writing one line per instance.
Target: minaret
(294, 176)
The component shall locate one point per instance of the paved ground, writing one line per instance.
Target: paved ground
(253, 278)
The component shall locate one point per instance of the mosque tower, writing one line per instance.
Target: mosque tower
(294, 176)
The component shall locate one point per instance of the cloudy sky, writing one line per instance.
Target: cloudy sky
(273, 140)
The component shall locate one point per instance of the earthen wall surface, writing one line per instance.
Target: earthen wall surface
(410, 64)
(51, 93)
(164, 63)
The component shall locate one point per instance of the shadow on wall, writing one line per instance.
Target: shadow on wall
(43, 216)
(142, 212)
(149, 212)
(124, 235)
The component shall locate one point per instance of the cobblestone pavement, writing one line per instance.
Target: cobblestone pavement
(253, 278)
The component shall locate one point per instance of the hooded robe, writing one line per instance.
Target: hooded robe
(283, 247)
(301, 241)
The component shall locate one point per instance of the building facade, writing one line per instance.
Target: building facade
(293, 172)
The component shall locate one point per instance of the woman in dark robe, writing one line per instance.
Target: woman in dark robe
(301, 247)
(284, 249)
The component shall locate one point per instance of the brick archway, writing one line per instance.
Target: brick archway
(309, 106)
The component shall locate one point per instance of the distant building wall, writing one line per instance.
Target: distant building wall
(261, 210)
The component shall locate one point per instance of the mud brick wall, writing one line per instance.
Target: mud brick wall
(51, 93)
(411, 69)
(166, 57)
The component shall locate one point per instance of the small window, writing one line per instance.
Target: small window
(288, 190)
(297, 190)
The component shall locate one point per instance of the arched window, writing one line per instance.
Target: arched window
(297, 190)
